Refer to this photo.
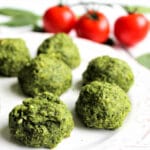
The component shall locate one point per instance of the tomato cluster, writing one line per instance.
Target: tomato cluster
(93, 25)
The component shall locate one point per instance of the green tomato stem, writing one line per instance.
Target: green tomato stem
(128, 8)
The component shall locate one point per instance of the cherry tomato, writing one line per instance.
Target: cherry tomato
(93, 25)
(131, 29)
(59, 18)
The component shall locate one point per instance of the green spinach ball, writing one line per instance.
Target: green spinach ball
(42, 121)
(45, 74)
(102, 105)
(14, 55)
(112, 70)
(61, 46)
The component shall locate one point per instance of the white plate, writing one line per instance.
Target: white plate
(81, 137)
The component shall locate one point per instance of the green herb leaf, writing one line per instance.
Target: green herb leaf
(20, 21)
(15, 12)
(19, 17)
(144, 60)
(139, 9)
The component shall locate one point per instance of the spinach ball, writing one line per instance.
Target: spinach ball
(112, 70)
(45, 74)
(14, 55)
(62, 47)
(102, 105)
(42, 121)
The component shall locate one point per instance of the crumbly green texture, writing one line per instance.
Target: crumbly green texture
(102, 105)
(14, 55)
(45, 74)
(42, 121)
(62, 47)
(112, 70)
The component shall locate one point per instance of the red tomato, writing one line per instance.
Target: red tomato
(59, 19)
(94, 26)
(131, 29)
